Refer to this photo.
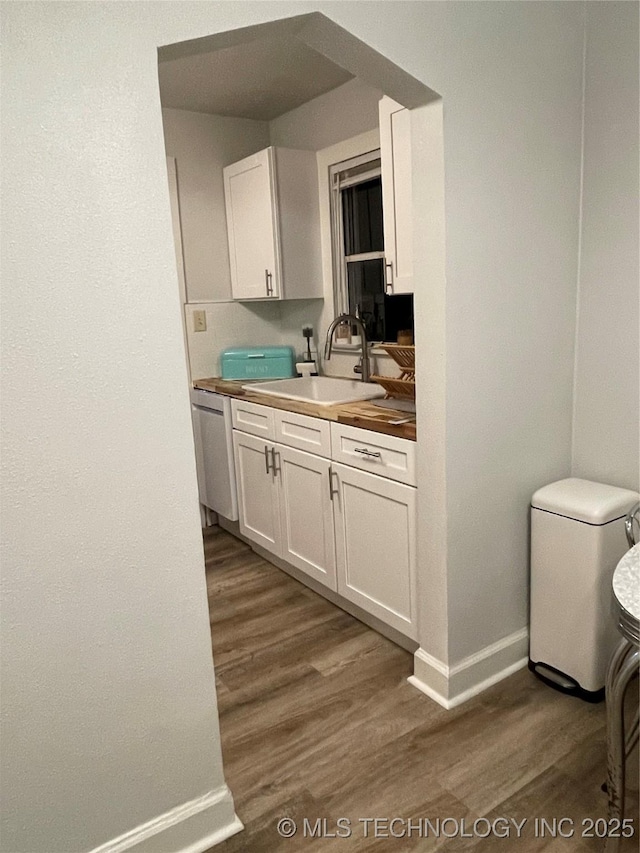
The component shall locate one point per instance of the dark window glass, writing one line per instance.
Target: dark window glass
(362, 217)
(366, 295)
(383, 316)
(398, 315)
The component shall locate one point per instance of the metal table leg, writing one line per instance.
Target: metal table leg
(624, 665)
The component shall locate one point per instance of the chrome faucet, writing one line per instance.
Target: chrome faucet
(365, 360)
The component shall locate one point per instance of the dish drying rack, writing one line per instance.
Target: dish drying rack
(404, 387)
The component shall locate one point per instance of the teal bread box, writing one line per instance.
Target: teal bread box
(258, 363)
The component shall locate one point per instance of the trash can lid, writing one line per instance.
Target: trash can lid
(584, 500)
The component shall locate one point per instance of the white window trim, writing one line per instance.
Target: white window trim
(338, 259)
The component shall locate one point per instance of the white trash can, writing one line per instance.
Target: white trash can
(577, 539)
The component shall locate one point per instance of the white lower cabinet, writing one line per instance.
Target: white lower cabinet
(351, 530)
(285, 504)
(306, 513)
(258, 492)
(375, 545)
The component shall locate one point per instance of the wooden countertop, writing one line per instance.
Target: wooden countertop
(362, 414)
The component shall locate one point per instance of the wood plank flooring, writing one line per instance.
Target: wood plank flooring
(318, 722)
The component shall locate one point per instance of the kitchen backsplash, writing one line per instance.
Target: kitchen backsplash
(263, 323)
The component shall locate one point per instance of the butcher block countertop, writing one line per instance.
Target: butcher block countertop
(360, 414)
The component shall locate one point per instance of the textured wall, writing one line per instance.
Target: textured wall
(108, 699)
(606, 427)
(203, 145)
(510, 78)
(339, 114)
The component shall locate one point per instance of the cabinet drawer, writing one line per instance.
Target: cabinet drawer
(303, 432)
(377, 453)
(254, 419)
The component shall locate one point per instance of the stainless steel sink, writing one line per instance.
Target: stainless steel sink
(321, 390)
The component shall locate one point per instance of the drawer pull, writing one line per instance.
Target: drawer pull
(369, 453)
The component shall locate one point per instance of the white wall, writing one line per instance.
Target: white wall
(203, 145)
(606, 424)
(327, 123)
(109, 708)
(247, 324)
(111, 687)
(229, 324)
(510, 79)
(344, 112)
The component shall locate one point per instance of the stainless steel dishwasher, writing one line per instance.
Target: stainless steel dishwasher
(214, 452)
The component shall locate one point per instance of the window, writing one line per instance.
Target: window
(358, 250)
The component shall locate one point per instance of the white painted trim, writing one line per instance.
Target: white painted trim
(176, 221)
(490, 652)
(191, 827)
(423, 687)
(450, 686)
(325, 158)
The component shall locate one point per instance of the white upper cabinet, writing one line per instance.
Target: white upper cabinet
(252, 227)
(395, 155)
(273, 225)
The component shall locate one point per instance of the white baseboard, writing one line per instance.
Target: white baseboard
(192, 827)
(450, 686)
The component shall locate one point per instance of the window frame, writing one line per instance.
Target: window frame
(342, 175)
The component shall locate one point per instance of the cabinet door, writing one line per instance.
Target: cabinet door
(306, 513)
(258, 494)
(375, 546)
(249, 188)
(395, 156)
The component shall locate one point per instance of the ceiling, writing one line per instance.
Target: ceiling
(260, 79)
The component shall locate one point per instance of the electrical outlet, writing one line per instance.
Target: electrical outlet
(199, 321)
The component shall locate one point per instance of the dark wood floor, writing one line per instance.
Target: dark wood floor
(318, 721)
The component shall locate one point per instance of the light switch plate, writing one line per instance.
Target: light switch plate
(199, 321)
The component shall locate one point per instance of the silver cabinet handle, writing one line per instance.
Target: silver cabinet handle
(268, 277)
(333, 492)
(388, 278)
(266, 458)
(276, 467)
(370, 453)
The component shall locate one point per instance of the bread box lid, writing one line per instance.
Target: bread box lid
(584, 500)
(243, 353)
